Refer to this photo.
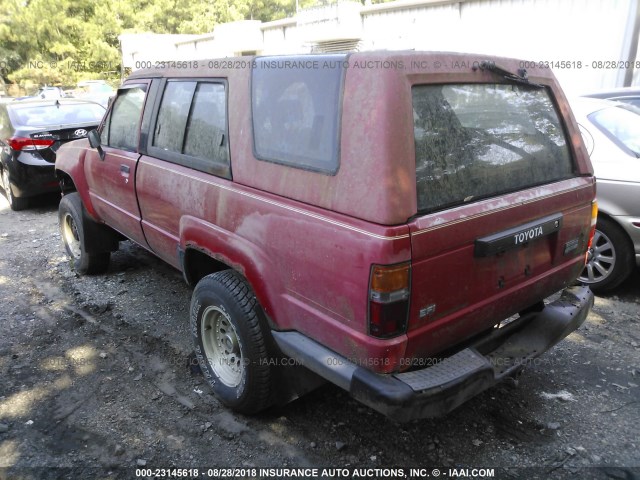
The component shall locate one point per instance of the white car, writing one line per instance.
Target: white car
(611, 132)
(97, 91)
(50, 93)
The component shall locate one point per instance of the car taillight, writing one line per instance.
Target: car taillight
(25, 143)
(389, 295)
(592, 232)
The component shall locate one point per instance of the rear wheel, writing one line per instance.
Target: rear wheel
(70, 219)
(16, 203)
(610, 258)
(228, 329)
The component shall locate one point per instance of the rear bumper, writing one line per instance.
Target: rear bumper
(31, 176)
(450, 381)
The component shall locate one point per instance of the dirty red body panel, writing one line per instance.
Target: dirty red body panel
(306, 242)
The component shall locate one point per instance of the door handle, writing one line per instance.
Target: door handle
(124, 169)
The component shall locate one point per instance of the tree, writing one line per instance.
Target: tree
(41, 39)
(78, 39)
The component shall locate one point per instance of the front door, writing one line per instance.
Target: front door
(111, 179)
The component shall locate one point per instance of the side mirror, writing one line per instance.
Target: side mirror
(94, 141)
(94, 138)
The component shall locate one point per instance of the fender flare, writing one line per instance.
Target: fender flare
(238, 253)
(72, 165)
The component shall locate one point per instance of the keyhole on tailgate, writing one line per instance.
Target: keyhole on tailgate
(501, 282)
(527, 270)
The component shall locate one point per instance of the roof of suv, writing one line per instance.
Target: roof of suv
(433, 63)
(378, 119)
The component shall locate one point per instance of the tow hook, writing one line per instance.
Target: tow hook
(513, 380)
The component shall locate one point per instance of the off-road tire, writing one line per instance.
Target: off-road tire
(229, 333)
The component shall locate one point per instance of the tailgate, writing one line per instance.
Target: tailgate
(505, 215)
(478, 265)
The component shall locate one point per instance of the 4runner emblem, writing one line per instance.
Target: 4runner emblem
(81, 132)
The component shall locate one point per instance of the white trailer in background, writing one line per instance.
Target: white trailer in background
(589, 44)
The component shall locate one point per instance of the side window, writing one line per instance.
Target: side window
(207, 127)
(296, 111)
(172, 117)
(191, 127)
(122, 125)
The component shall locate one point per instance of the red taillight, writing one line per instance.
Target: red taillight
(389, 295)
(24, 143)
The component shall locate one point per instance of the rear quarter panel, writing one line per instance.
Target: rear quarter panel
(309, 268)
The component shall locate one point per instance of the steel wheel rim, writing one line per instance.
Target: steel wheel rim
(601, 259)
(71, 236)
(222, 346)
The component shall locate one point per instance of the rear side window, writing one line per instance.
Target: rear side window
(191, 127)
(173, 114)
(480, 140)
(296, 106)
(123, 123)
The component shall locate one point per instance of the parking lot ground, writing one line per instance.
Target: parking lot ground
(96, 383)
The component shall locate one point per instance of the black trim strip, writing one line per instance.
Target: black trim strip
(516, 237)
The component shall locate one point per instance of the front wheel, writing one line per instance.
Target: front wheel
(610, 258)
(228, 329)
(72, 229)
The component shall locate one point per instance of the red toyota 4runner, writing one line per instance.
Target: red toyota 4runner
(390, 222)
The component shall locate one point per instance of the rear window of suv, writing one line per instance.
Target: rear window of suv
(475, 141)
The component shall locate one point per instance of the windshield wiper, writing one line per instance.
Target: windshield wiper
(520, 78)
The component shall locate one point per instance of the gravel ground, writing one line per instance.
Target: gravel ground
(96, 384)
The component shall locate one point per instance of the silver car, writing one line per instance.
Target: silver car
(611, 132)
(630, 95)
